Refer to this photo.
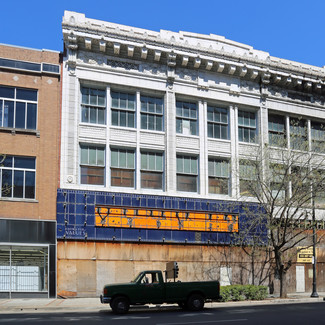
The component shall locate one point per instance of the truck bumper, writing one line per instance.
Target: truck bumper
(105, 300)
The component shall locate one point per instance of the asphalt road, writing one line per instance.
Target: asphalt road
(309, 313)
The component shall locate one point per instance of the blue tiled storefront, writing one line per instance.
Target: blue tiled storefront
(76, 217)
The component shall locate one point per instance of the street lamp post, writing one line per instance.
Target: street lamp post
(314, 293)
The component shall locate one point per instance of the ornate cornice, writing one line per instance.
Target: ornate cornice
(210, 53)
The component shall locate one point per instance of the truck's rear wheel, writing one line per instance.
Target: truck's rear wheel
(120, 305)
(195, 302)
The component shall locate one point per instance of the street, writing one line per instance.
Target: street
(309, 313)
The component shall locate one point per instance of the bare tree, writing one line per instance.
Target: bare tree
(287, 180)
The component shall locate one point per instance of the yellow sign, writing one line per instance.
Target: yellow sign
(305, 255)
(108, 216)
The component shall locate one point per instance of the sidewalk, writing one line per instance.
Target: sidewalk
(93, 304)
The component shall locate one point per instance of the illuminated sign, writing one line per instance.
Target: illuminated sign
(108, 216)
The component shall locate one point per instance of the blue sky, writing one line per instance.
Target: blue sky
(288, 29)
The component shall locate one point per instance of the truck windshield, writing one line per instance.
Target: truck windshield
(137, 277)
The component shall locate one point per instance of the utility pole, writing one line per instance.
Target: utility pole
(314, 293)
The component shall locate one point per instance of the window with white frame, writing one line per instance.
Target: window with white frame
(298, 134)
(123, 109)
(186, 118)
(218, 122)
(17, 177)
(152, 168)
(247, 178)
(317, 136)
(187, 173)
(219, 176)
(122, 167)
(93, 105)
(278, 181)
(152, 113)
(277, 134)
(18, 108)
(92, 164)
(247, 130)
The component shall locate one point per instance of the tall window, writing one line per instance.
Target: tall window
(186, 118)
(92, 165)
(152, 113)
(217, 123)
(317, 136)
(18, 108)
(247, 178)
(152, 170)
(247, 130)
(298, 134)
(187, 173)
(277, 135)
(123, 109)
(122, 167)
(218, 176)
(93, 105)
(17, 177)
(278, 181)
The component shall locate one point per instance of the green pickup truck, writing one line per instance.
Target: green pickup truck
(150, 287)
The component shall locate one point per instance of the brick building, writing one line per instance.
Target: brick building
(154, 127)
(30, 90)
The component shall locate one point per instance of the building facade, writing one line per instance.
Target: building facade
(154, 128)
(29, 147)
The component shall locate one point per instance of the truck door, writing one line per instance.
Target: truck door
(151, 290)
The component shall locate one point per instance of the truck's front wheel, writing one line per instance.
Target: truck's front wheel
(195, 302)
(120, 305)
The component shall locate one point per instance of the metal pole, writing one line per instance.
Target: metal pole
(314, 293)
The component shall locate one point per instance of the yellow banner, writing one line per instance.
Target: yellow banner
(106, 216)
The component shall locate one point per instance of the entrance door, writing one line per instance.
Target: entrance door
(300, 278)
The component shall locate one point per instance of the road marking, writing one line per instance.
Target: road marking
(206, 322)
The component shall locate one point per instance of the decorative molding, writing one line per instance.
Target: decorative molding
(124, 65)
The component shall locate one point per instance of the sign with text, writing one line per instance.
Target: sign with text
(305, 255)
(111, 216)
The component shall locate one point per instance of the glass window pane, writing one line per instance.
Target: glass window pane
(159, 106)
(8, 114)
(93, 97)
(20, 115)
(193, 127)
(6, 186)
(26, 94)
(122, 159)
(224, 132)
(114, 158)
(131, 101)
(122, 118)
(7, 92)
(130, 116)
(29, 185)
(92, 156)
(114, 117)
(187, 165)
(84, 155)
(144, 161)
(159, 123)
(115, 99)
(186, 112)
(151, 122)
(179, 126)
(31, 116)
(152, 107)
(152, 161)
(193, 165)
(123, 100)
(179, 111)
(144, 104)
(101, 116)
(8, 161)
(159, 162)
(85, 114)
(144, 121)
(93, 115)
(18, 183)
(100, 157)
(85, 95)
(24, 162)
(180, 164)
(101, 97)
(130, 159)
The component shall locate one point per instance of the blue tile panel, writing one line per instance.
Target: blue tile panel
(76, 218)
